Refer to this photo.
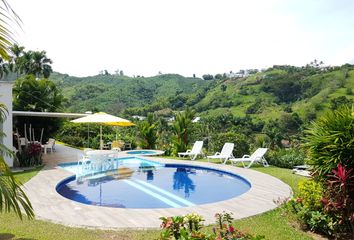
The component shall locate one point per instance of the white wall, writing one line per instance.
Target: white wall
(6, 98)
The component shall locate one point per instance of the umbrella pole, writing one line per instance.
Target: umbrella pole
(88, 135)
(101, 143)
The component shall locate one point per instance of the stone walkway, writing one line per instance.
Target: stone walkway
(49, 205)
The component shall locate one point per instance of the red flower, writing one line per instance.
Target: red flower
(324, 201)
(231, 229)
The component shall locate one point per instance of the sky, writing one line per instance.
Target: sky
(144, 37)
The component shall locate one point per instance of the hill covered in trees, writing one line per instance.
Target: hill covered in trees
(273, 93)
(116, 93)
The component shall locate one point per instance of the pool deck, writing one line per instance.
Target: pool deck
(50, 206)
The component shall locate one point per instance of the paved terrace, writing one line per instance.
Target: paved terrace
(49, 205)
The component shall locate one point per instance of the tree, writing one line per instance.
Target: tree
(182, 128)
(340, 101)
(148, 132)
(37, 96)
(218, 76)
(12, 197)
(31, 62)
(208, 77)
(15, 59)
(274, 133)
(40, 64)
(8, 18)
(4, 68)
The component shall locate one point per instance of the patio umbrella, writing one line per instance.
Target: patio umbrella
(105, 119)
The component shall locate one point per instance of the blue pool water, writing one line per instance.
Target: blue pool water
(130, 162)
(142, 152)
(155, 186)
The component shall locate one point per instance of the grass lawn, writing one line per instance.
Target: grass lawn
(273, 224)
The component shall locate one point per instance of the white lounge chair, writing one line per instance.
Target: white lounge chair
(225, 154)
(196, 150)
(257, 156)
(49, 145)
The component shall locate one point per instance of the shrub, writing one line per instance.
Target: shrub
(286, 158)
(148, 132)
(339, 197)
(30, 156)
(309, 208)
(189, 228)
(330, 146)
(240, 141)
(74, 140)
(182, 129)
(310, 194)
(330, 141)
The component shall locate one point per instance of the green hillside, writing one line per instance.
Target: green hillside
(308, 91)
(114, 93)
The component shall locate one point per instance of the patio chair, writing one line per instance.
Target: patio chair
(196, 150)
(225, 154)
(257, 156)
(49, 145)
(52, 140)
(127, 146)
(117, 145)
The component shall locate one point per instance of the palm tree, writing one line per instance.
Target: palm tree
(8, 17)
(4, 68)
(182, 128)
(148, 132)
(12, 197)
(15, 60)
(40, 64)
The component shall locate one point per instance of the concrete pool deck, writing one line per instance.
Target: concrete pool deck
(51, 206)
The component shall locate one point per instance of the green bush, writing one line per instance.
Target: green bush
(309, 209)
(330, 141)
(286, 158)
(74, 140)
(30, 156)
(310, 193)
(190, 226)
(241, 144)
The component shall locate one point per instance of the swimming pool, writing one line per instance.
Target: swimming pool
(145, 152)
(154, 186)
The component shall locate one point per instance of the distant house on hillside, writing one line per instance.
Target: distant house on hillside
(196, 119)
(138, 117)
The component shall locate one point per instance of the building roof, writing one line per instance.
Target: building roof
(48, 114)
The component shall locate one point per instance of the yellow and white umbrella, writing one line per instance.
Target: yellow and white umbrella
(106, 119)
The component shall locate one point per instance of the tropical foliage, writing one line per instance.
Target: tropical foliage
(182, 128)
(330, 141)
(190, 227)
(326, 204)
(12, 197)
(40, 95)
(148, 132)
(8, 18)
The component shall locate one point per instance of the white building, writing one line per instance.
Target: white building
(6, 126)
